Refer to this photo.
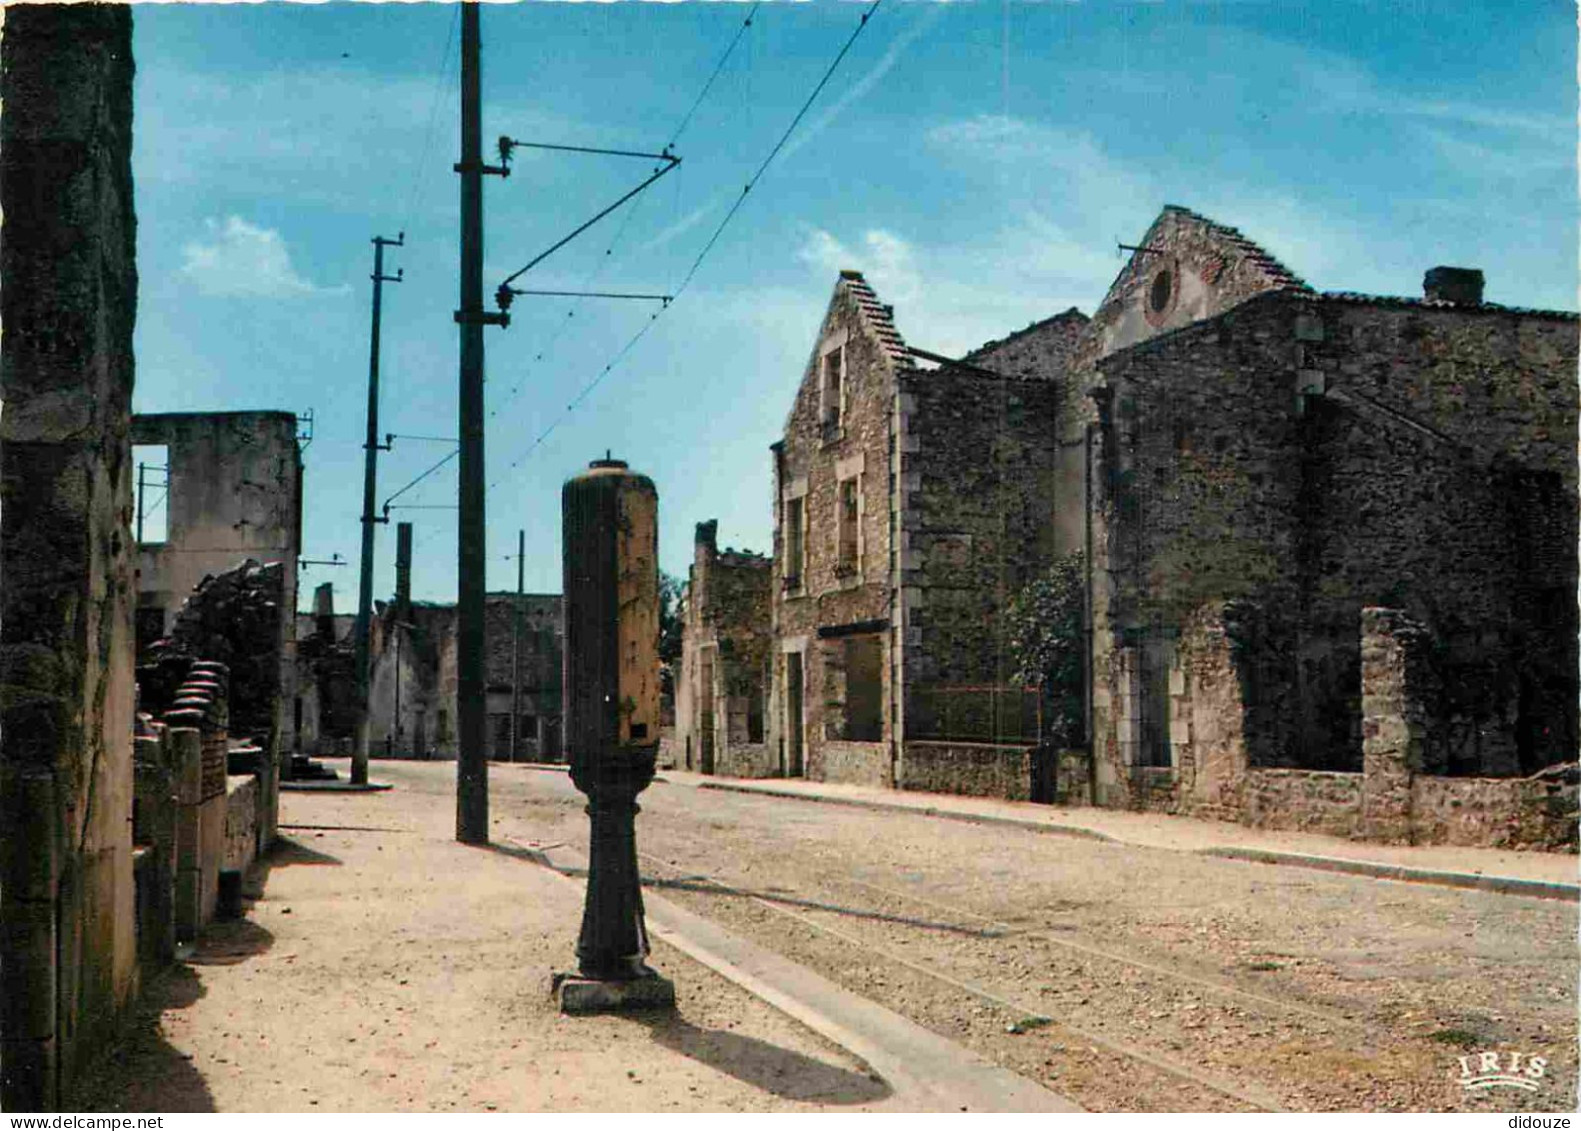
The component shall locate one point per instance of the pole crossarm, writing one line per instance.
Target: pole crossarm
(391, 437)
(422, 477)
(506, 293)
(508, 144)
(671, 161)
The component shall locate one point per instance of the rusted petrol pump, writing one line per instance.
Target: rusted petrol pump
(612, 722)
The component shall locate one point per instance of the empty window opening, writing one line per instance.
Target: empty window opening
(847, 561)
(864, 688)
(1152, 705)
(151, 487)
(833, 391)
(500, 725)
(793, 544)
(1162, 291)
(755, 715)
(795, 763)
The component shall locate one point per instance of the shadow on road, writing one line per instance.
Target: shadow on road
(702, 885)
(143, 1072)
(228, 942)
(705, 886)
(769, 1068)
(287, 852)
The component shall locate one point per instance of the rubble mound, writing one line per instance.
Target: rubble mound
(233, 617)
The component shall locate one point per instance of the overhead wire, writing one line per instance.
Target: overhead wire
(414, 195)
(703, 254)
(630, 214)
(625, 222)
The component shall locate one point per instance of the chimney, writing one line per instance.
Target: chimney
(1462, 285)
(324, 610)
(403, 569)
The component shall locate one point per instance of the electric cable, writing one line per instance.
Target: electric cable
(703, 254)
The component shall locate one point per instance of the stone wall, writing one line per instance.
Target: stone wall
(1310, 801)
(237, 618)
(1534, 812)
(855, 763)
(722, 685)
(412, 679)
(1242, 461)
(975, 769)
(235, 492)
(748, 760)
(241, 823)
(975, 529)
(812, 461)
(1209, 682)
(68, 302)
(1444, 483)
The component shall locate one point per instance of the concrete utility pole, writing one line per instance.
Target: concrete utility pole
(370, 474)
(403, 607)
(516, 647)
(472, 764)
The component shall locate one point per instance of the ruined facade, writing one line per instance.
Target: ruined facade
(1257, 480)
(910, 506)
(412, 684)
(721, 690)
(232, 489)
(68, 301)
(1271, 480)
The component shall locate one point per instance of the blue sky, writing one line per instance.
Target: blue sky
(977, 161)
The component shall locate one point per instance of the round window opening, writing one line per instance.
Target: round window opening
(1163, 288)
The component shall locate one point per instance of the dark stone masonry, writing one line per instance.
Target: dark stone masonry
(1265, 485)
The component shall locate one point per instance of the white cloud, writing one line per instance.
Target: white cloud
(243, 260)
(886, 260)
(685, 224)
(867, 82)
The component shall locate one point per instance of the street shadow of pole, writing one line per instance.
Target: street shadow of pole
(782, 1072)
(703, 885)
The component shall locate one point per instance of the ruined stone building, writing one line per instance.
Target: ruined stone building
(721, 690)
(911, 504)
(222, 561)
(323, 704)
(1334, 549)
(412, 683)
(230, 487)
(1244, 466)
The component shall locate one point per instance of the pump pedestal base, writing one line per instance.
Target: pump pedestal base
(576, 994)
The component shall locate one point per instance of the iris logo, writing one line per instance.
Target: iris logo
(1483, 1070)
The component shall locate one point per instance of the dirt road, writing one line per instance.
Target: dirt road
(388, 968)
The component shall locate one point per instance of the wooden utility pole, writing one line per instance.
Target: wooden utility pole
(472, 763)
(516, 647)
(370, 475)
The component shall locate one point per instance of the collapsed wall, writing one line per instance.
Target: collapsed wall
(233, 619)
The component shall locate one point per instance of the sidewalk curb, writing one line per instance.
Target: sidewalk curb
(1500, 885)
(922, 1068)
(924, 810)
(1503, 885)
